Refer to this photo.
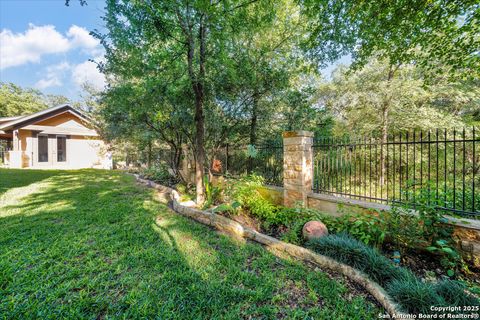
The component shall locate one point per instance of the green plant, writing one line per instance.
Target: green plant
(227, 207)
(414, 296)
(402, 285)
(348, 250)
(433, 230)
(245, 191)
(366, 227)
(212, 194)
(159, 174)
(455, 293)
(401, 228)
(450, 258)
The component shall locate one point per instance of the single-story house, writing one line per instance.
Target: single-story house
(61, 137)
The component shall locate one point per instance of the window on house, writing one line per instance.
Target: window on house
(42, 148)
(61, 149)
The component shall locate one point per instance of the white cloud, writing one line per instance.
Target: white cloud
(20, 48)
(88, 72)
(80, 37)
(47, 83)
(54, 76)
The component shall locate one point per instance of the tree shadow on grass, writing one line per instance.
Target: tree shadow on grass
(94, 245)
(16, 178)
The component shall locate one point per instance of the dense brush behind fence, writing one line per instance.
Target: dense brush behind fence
(265, 159)
(442, 166)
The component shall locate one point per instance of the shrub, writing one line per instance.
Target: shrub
(433, 232)
(366, 227)
(159, 174)
(245, 191)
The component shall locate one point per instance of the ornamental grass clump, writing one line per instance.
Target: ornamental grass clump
(344, 248)
(455, 293)
(412, 294)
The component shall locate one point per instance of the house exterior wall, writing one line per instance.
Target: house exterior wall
(81, 151)
(85, 152)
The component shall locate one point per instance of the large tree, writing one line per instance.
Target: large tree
(17, 101)
(375, 102)
(430, 33)
(173, 52)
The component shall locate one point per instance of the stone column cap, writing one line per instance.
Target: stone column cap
(298, 133)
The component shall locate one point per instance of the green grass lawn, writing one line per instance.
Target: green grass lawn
(94, 245)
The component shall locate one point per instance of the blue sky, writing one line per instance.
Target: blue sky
(45, 44)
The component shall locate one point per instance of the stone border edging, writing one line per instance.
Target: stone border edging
(276, 246)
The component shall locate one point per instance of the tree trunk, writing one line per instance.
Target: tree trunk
(253, 128)
(253, 119)
(385, 110)
(383, 154)
(200, 151)
(198, 89)
(197, 80)
(149, 154)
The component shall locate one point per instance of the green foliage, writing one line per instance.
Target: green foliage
(432, 228)
(95, 230)
(402, 285)
(374, 100)
(348, 250)
(414, 296)
(212, 194)
(245, 191)
(159, 174)
(17, 101)
(405, 230)
(230, 208)
(294, 232)
(431, 33)
(455, 293)
(199, 73)
(366, 227)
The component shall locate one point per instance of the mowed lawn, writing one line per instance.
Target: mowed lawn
(92, 244)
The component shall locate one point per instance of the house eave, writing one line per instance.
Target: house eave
(39, 116)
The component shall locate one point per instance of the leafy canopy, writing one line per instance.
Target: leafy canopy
(427, 32)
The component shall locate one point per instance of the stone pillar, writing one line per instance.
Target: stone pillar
(297, 167)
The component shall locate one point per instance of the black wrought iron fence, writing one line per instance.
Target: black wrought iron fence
(442, 166)
(264, 159)
(156, 157)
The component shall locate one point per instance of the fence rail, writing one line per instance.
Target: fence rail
(440, 168)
